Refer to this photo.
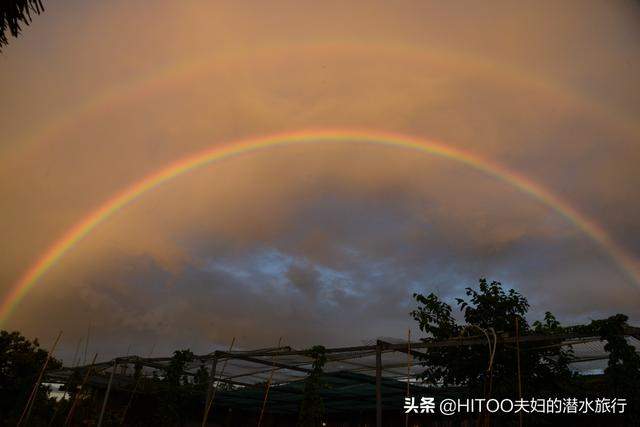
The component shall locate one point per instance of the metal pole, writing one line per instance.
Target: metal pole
(378, 383)
(106, 393)
(519, 373)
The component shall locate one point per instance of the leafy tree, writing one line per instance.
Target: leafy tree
(176, 389)
(312, 408)
(20, 363)
(623, 366)
(15, 13)
(622, 374)
(544, 366)
(549, 325)
(489, 309)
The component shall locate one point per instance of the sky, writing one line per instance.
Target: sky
(316, 243)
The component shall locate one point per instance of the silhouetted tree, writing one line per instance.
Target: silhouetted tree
(544, 367)
(176, 389)
(312, 407)
(622, 373)
(20, 363)
(490, 308)
(14, 14)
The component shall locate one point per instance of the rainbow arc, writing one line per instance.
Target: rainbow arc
(220, 152)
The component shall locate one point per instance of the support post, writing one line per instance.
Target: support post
(378, 383)
(130, 401)
(212, 378)
(266, 392)
(76, 397)
(135, 388)
(86, 344)
(34, 392)
(519, 373)
(406, 418)
(106, 393)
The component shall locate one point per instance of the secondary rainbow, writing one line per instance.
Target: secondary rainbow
(224, 151)
(175, 74)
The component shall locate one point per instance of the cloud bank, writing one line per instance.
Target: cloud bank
(318, 244)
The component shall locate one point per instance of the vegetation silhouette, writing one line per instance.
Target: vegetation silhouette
(527, 370)
(509, 366)
(312, 407)
(14, 14)
(20, 363)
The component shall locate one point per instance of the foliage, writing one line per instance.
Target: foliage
(177, 392)
(15, 13)
(487, 308)
(623, 369)
(549, 325)
(622, 373)
(174, 373)
(312, 408)
(544, 366)
(20, 363)
(201, 379)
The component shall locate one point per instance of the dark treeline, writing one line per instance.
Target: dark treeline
(501, 369)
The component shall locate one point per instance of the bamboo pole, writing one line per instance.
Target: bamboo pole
(212, 374)
(409, 359)
(378, 384)
(86, 344)
(266, 393)
(135, 388)
(133, 392)
(55, 413)
(76, 397)
(213, 389)
(106, 393)
(125, 366)
(75, 360)
(492, 350)
(34, 392)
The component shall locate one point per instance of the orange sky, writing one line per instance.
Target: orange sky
(300, 242)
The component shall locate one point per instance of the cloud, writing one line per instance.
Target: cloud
(315, 244)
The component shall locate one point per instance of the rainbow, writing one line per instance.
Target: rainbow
(170, 76)
(225, 151)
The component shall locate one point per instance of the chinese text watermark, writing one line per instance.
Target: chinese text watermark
(448, 406)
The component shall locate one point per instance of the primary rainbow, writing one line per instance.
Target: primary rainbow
(219, 152)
